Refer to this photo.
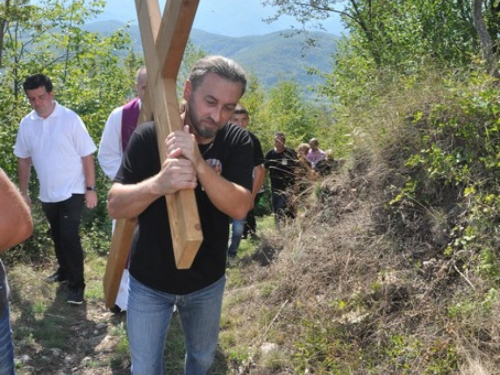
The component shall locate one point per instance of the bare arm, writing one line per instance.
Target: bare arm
(89, 171)
(232, 199)
(128, 201)
(23, 175)
(15, 219)
(259, 173)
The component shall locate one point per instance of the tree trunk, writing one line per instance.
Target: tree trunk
(3, 26)
(485, 38)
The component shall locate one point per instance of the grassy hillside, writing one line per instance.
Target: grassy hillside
(392, 266)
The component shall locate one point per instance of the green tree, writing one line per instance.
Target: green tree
(192, 54)
(399, 33)
(285, 110)
(254, 95)
(89, 75)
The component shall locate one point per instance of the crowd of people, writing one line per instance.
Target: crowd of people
(214, 154)
(291, 173)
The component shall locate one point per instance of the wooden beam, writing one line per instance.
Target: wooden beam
(173, 35)
(164, 44)
(122, 236)
(117, 259)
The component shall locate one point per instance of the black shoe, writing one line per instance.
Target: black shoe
(254, 236)
(56, 277)
(115, 309)
(232, 261)
(75, 296)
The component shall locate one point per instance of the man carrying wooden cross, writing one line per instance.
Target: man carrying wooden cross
(213, 158)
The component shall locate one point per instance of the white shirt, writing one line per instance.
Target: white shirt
(110, 149)
(56, 146)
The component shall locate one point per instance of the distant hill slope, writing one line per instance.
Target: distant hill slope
(273, 55)
(270, 57)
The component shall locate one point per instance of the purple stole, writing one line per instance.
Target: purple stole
(130, 116)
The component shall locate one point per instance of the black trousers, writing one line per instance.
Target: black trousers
(251, 224)
(64, 219)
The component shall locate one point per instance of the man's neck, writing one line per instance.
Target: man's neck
(52, 111)
(203, 141)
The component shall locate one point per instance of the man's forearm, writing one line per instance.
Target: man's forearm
(89, 169)
(258, 179)
(128, 201)
(23, 174)
(230, 198)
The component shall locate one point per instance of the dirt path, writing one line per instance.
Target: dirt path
(54, 338)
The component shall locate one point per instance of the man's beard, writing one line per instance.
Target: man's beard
(195, 122)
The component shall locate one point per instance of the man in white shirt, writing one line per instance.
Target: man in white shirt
(120, 125)
(54, 139)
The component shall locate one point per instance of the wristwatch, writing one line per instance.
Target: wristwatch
(91, 188)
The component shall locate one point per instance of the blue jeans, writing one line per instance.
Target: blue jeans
(6, 346)
(236, 233)
(148, 319)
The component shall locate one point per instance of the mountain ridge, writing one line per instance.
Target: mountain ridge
(225, 17)
(271, 57)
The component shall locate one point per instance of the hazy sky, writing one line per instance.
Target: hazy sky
(226, 17)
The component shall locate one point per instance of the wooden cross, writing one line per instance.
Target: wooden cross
(164, 40)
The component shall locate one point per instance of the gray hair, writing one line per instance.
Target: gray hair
(220, 65)
(141, 72)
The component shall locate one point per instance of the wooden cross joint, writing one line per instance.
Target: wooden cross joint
(164, 41)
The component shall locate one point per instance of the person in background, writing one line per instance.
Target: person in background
(315, 155)
(304, 173)
(281, 163)
(241, 118)
(119, 127)
(303, 150)
(16, 225)
(328, 165)
(54, 139)
(212, 91)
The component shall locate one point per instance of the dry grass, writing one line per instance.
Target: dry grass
(357, 286)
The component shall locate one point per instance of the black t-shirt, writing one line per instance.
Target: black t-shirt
(281, 167)
(153, 262)
(258, 155)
